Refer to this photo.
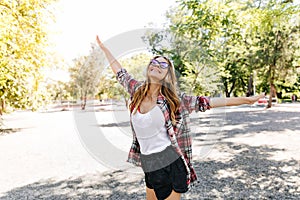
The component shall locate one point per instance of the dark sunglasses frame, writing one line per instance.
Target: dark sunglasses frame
(162, 65)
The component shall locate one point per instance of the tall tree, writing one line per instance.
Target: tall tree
(205, 39)
(192, 57)
(274, 38)
(23, 42)
(86, 74)
(235, 38)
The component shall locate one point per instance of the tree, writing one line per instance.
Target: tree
(23, 41)
(235, 40)
(274, 42)
(137, 64)
(190, 56)
(205, 35)
(86, 73)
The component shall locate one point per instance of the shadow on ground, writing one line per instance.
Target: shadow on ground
(251, 121)
(250, 173)
(5, 131)
(120, 124)
(113, 185)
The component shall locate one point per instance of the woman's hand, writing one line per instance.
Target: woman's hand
(114, 64)
(101, 45)
(254, 99)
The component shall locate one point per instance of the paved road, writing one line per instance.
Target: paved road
(240, 152)
(47, 146)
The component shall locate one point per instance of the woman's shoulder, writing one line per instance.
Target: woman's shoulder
(183, 95)
(139, 84)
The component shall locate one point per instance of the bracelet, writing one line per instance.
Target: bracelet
(121, 71)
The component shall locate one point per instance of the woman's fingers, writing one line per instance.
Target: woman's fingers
(262, 95)
(256, 98)
(99, 42)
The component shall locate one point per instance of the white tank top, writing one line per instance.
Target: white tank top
(151, 131)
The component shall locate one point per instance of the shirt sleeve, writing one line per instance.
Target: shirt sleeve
(127, 81)
(195, 103)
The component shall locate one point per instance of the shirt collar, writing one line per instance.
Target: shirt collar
(160, 98)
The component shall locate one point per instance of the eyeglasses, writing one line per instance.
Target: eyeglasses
(162, 65)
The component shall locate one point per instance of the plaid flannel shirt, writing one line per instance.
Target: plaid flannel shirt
(179, 133)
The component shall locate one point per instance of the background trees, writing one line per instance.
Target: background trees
(86, 74)
(23, 52)
(238, 41)
(225, 47)
(274, 37)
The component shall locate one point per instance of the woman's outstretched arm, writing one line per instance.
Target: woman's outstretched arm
(234, 101)
(114, 64)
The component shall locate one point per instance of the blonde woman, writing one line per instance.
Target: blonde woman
(159, 120)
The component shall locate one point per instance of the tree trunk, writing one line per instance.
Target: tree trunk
(250, 91)
(226, 88)
(2, 108)
(194, 82)
(83, 103)
(272, 94)
(231, 89)
(272, 87)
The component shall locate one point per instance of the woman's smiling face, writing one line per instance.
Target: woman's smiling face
(158, 69)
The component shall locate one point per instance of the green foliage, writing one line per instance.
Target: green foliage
(137, 65)
(59, 91)
(86, 73)
(236, 41)
(189, 55)
(23, 42)
(274, 38)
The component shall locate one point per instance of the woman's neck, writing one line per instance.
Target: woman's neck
(153, 91)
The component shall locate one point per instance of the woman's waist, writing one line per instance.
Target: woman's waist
(159, 160)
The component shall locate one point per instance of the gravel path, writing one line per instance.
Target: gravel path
(240, 153)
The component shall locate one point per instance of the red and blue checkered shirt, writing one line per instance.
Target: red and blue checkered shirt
(179, 133)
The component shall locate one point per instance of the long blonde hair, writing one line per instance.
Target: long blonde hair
(168, 90)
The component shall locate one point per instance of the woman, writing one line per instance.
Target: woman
(159, 120)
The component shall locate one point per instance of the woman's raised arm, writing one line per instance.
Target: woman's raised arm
(114, 64)
(234, 101)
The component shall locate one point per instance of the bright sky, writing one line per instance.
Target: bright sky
(81, 20)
